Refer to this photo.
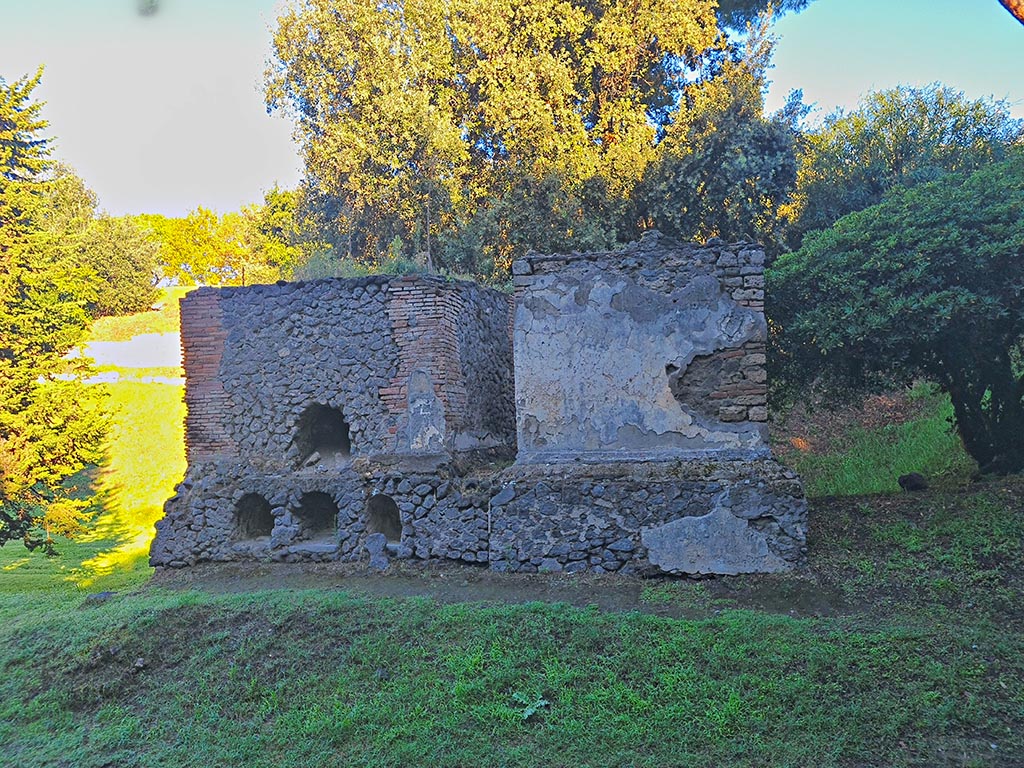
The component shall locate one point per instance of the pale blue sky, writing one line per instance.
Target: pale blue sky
(164, 113)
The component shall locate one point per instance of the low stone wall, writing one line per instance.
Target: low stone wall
(692, 517)
(437, 515)
(675, 517)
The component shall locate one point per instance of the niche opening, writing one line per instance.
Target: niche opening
(382, 517)
(317, 515)
(322, 435)
(253, 517)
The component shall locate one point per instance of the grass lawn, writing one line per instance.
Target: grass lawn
(166, 319)
(903, 644)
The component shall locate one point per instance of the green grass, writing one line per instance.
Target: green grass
(916, 660)
(870, 461)
(145, 459)
(322, 678)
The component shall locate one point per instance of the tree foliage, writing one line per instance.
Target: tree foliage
(929, 282)
(467, 131)
(1015, 7)
(124, 258)
(117, 255)
(49, 427)
(259, 244)
(724, 169)
(739, 13)
(897, 137)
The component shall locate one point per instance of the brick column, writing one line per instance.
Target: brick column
(202, 345)
(423, 314)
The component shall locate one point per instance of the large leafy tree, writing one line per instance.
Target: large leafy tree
(259, 244)
(929, 282)
(416, 117)
(724, 169)
(897, 137)
(1015, 7)
(124, 258)
(118, 253)
(49, 426)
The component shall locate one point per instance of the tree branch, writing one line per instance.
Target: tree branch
(1015, 7)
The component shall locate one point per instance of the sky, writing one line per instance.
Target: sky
(164, 113)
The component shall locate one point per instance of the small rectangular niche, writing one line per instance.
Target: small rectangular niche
(317, 515)
(253, 517)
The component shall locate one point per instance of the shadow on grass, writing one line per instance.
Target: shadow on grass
(145, 459)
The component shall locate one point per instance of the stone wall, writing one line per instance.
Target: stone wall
(683, 517)
(311, 388)
(257, 358)
(641, 413)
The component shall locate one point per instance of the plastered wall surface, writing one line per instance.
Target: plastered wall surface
(656, 352)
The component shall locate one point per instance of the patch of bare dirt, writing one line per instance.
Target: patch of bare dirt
(819, 427)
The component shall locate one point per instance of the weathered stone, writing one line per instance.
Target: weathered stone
(718, 542)
(504, 496)
(375, 543)
(622, 545)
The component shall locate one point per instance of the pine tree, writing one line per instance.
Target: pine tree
(49, 426)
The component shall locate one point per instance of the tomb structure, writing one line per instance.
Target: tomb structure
(377, 418)
(320, 413)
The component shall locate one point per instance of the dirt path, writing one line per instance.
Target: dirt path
(797, 595)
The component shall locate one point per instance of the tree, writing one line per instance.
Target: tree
(930, 282)
(897, 137)
(259, 244)
(416, 117)
(124, 258)
(737, 14)
(119, 255)
(49, 427)
(1015, 7)
(724, 169)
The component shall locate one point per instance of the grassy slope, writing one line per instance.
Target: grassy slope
(869, 460)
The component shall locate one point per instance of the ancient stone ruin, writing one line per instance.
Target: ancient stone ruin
(377, 418)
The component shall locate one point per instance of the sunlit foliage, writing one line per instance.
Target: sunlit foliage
(466, 132)
(49, 427)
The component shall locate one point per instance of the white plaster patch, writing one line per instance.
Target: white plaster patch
(718, 542)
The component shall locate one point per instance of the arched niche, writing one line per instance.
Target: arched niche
(322, 435)
(253, 517)
(382, 517)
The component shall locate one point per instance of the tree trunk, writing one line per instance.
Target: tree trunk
(1015, 7)
(989, 412)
